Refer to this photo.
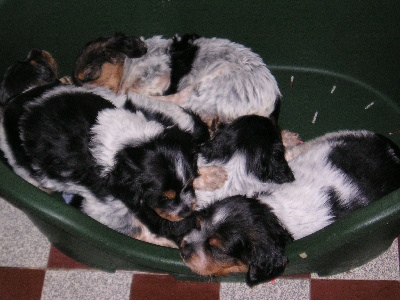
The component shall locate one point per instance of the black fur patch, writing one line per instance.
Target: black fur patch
(148, 170)
(339, 207)
(63, 151)
(174, 231)
(259, 140)
(11, 122)
(34, 71)
(183, 53)
(373, 166)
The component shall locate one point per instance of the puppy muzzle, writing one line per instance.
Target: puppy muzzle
(186, 250)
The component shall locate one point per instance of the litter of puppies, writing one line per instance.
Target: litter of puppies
(176, 141)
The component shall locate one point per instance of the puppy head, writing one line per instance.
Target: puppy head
(150, 74)
(101, 61)
(235, 235)
(158, 174)
(259, 141)
(38, 68)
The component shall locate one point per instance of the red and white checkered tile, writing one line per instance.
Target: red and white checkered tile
(30, 268)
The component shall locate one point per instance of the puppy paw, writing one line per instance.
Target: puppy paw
(290, 139)
(46, 190)
(211, 178)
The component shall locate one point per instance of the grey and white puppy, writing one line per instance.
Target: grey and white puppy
(213, 77)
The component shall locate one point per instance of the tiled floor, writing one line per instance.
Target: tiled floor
(30, 268)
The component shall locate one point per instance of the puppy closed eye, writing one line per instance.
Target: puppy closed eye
(216, 243)
(197, 224)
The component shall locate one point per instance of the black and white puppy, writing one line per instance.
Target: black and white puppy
(251, 151)
(335, 175)
(132, 159)
(214, 77)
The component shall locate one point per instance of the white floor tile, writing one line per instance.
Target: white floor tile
(21, 243)
(86, 285)
(280, 289)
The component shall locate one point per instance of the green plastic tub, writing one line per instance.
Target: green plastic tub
(336, 58)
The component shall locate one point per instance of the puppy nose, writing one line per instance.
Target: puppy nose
(185, 212)
(186, 249)
(187, 197)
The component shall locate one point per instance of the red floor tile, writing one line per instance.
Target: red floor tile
(59, 260)
(165, 287)
(21, 284)
(354, 290)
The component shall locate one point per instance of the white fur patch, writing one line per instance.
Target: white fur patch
(179, 116)
(238, 182)
(226, 79)
(220, 216)
(229, 80)
(110, 212)
(303, 205)
(116, 128)
(149, 74)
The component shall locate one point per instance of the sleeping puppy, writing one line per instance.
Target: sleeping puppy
(215, 78)
(101, 63)
(251, 151)
(37, 69)
(336, 174)
(132, 159)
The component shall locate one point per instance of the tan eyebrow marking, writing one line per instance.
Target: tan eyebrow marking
(170, 195)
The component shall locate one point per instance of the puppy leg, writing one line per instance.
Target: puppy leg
(46, 190)
(211, 178)
(177, 98)
(36, 183)
(290, 139)
(142, 233)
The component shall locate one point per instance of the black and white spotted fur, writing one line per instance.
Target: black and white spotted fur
(132, 159)
(334, 175)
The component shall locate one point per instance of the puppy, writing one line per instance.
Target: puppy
(251, 151)
(132, 159)
(37, 69)
(213, 77)
(335, 175)
(101, 62)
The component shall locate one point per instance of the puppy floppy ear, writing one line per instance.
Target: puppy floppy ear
(132, 47)
(270, 165)
(266, 263)
(125, 177)
(266, 259)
